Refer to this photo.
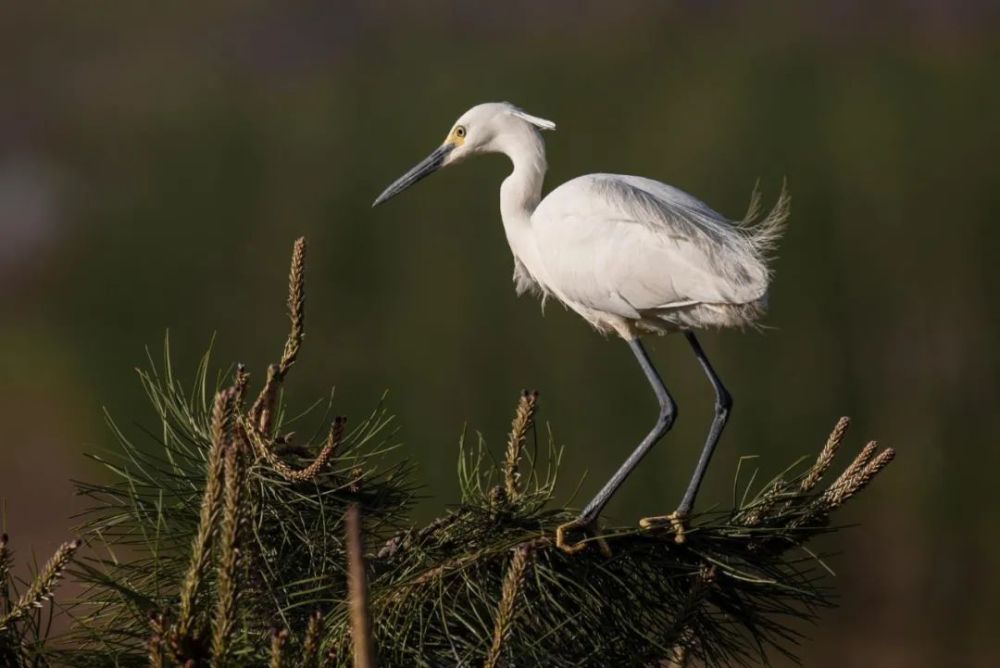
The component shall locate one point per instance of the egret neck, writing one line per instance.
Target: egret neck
(521, 191)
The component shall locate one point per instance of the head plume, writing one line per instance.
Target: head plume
(539, 123)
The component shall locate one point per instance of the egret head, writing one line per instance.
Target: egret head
(486, 128)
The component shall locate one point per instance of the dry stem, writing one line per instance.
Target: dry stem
(364, 651)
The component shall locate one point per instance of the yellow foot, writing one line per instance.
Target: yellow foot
(675, 520)
(587, 530)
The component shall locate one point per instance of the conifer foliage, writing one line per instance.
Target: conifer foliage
(224, 539)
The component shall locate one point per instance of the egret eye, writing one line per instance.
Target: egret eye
(460, 132)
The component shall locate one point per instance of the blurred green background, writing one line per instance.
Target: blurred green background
(157, 161)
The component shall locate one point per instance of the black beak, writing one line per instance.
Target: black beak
(421, 170)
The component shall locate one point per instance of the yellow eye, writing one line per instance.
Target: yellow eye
(460, 132)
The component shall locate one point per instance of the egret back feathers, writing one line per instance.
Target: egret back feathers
(632, 254)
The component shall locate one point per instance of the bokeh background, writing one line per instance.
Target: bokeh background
(157, 161)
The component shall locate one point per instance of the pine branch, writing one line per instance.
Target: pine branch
(4, 573)
(308, 473)
(524, 421)
(481, 585)
(826, 455)
(241, 382)
(364, 651)
(691, 605)
(506, 611)
(279, 638)
(311, 643)
(222, 424)
(157, 645)
(296, 307)
(857, 476)
(227, 586)
(262, 412)
(42, 585)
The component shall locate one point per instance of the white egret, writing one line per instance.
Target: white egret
(631, 255)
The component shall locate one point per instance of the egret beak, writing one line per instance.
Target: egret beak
(421, 170)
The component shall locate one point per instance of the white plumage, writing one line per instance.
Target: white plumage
(629, 254)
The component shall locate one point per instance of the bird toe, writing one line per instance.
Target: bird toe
(677, 521)
(590, 535)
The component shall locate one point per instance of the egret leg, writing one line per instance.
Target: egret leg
(677, 520)
(723, 407)
(664, 421)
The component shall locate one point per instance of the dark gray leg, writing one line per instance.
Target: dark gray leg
(723, 406)
(665, 420)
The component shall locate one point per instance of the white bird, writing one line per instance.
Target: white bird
(629, 254)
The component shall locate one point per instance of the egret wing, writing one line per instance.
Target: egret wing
(627, 244)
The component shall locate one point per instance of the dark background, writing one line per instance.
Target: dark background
(157, 161)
